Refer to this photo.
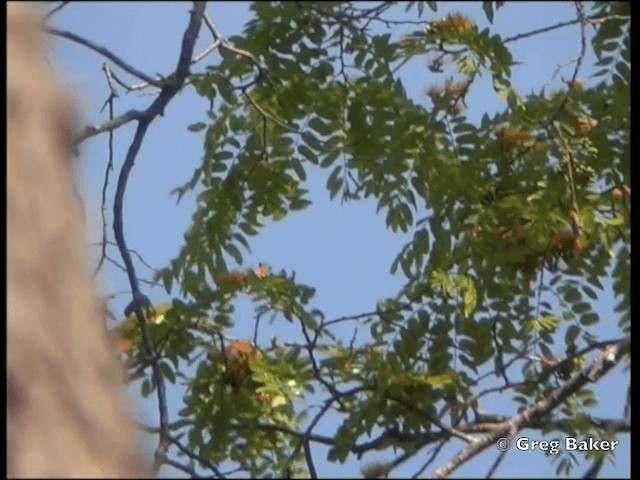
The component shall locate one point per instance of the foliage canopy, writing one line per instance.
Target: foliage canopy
(519, 221)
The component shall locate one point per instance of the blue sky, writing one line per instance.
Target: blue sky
(342, 250)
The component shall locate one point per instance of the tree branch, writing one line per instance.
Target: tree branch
(54, 10)
(105, 53)
(597, 370)
(184, 468)
(91, 131)
(194, 456)
(170, 88)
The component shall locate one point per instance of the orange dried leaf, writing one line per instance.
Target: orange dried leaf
(125, 345)
(513, 137)
(616, 194)
(230, 279)
(585, 125)
(575, 85)
(240, 347)
(562, 241)
(239, 358)
(262, 271)
(264, 397)
(579, 245)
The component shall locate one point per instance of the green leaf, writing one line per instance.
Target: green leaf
(299, 204)
(227, 94)
(299, 169)
(589, 319)
(146, 388)
(319, 126)
(589, 292)
(572, 334)
(222, 156)
(308, 154)
(488, 10)
(331, 157)
(572, 295)
(167, 371)
(334, 183)
(197, 127)
(242, 241)
(581, 307)
(232, 250)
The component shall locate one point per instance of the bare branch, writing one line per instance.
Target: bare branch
(109, 168)
(593, 373)
(436, 450)
(496, 464)
(184, 468)
(139, 255)
(309, 459)
(54, 10)
(105, 53)
(538, 31)
(170, 87)
(91, 131)
(215, 45)
(360, 316)
(550, 28)
(194, 456)
(124, 269)
(128, 88)
(306, 436)
(238, 51)
(583, 43)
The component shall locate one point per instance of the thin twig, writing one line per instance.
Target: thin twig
(583, 40)
(496, 464)
(124, 269)
(436, 450)
(179, 466)
(215, 45)
(54, 10)
(538, 31)
(131, 88)
(103, 203)
(593, 20)
(305, 438)
(264, 113)
(194, 456)
(137, 254)
(238, 51)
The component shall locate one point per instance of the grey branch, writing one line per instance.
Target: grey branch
(593, 373)
(92, 130)
(105, 53)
